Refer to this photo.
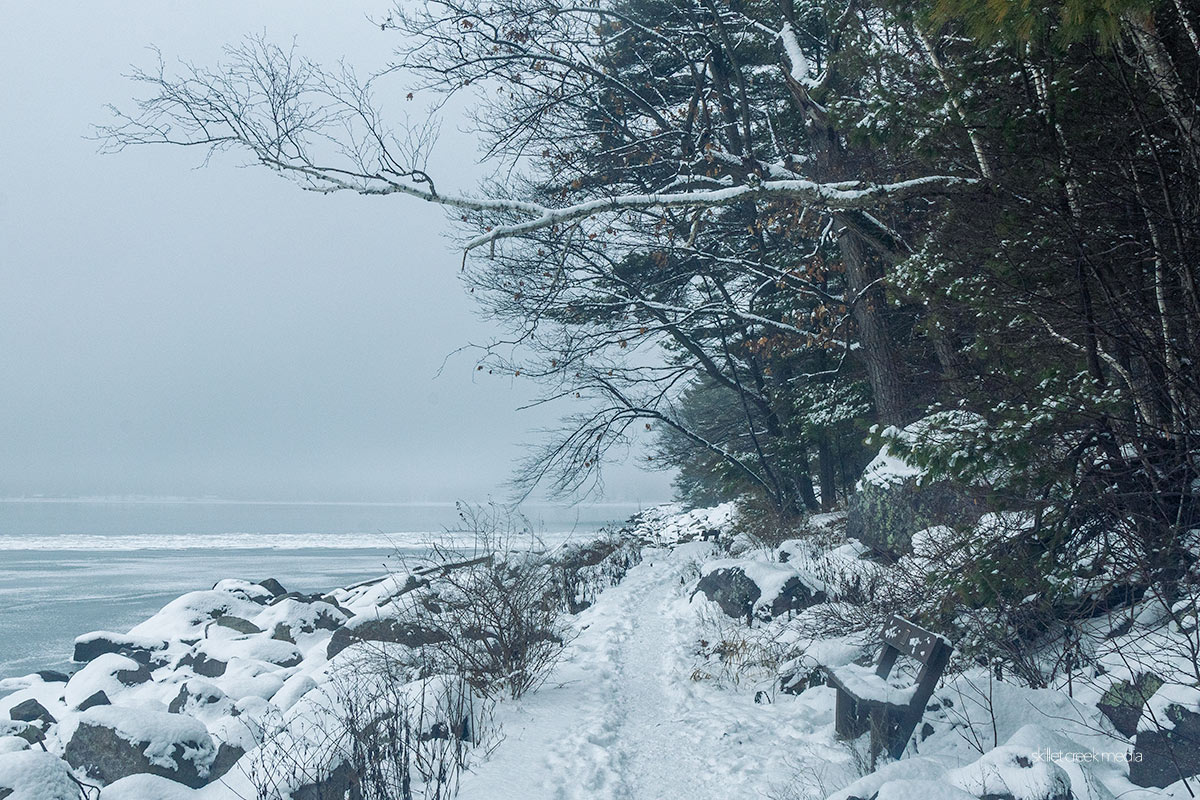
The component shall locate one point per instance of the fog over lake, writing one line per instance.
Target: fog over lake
(168, 330)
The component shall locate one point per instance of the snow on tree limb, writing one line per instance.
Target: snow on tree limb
(324, 130)
(799, 64)
(841, 195)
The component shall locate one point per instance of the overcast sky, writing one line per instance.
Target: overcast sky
(168, 330)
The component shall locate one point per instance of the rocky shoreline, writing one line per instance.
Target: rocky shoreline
(187, 699)
(249, 690)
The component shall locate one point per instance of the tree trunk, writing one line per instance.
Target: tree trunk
(825, 469)
(884, 369)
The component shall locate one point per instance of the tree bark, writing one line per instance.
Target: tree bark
(885, 371)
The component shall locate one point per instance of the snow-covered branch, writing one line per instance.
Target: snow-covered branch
(842, 195)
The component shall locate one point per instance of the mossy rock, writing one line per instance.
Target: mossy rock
(884, 517)
(1124, 701)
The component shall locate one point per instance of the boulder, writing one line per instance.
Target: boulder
(90, 646)
(283, 632)
(1012, 771)
(273, 586)
(795, 596)
(337, 782)
(133, 677)
(196, 695)
(227, 756)
(201, 664)
(211, 658)
(245, 590)
(31, 733)
(731, 589)
(1124, 702)
(30, 711)
(300, 617)
(109, 673)
(111, 743)
(1167, 747)
(190, 615)
(384, 629)
(238, 624)
(331, 618)
(93, 700)
(299, 597)
(52, 676)
(885, 515)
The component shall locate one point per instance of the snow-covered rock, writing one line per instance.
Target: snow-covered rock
(90, 646)
(189, 616)
(109, 673)
(893, 501)
(110, 743)
(1167, 747)
(382, 628)
(34, 775)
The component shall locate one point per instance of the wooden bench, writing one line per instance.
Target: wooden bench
(865, 699)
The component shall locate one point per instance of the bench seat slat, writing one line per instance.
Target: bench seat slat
(869, 688)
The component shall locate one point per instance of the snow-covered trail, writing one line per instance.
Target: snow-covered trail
(623, 719)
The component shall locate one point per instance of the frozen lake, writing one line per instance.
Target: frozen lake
(69, 567)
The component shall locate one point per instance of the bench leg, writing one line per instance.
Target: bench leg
(881, 732)
(848, 720)
(844, 716)
(904, 731)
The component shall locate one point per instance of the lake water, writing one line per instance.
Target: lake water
(69, 567)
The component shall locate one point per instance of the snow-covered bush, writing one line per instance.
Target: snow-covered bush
(584, 570)
(372, 733)
(499, 622)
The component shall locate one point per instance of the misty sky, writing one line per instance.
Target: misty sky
(168, 330)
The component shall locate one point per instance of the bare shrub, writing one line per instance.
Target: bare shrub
(818, 778)
(764, 525)
(583, 571)
(734, 654)
(372, 734)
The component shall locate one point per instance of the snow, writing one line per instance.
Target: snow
(639, 707)
(129, 640)
(146, 787)
(299, 617)
(12, 744)
(100, 675)
(292, 690)
(246, 589)
(1155, 717)
(257, 647)
(923, 770)
(670, 524)
(1011, 770)
(791, 46)
(189, 615)
(33, 775)
(926, 790)
(886, 469)
(625, 716)
(245, 679)
(862, 682)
